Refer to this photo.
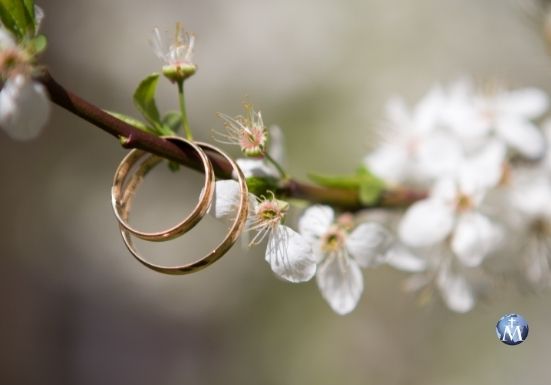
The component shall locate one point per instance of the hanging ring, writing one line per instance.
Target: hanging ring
(231, 237)
(121, 201)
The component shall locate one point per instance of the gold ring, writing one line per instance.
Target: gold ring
(121, 201)
(228, 241)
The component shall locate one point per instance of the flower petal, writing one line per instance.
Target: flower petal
(428, 111)
(340, 281)
(401, 258)
(426, 223)
(455, 291)
(24, 108)
(389, 162)
(530, 195)
(529, 103)
(446, 149)
(367, 243)
(290, 255)
(277, 144)
(227, 195)
(396, 111)
(315, 222)
(523, 136)
(256, 167)
(484, 169)
(474, 238)
(38, 17)
(159, 45)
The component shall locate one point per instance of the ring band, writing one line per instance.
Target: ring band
(119, 198)
(231, 237)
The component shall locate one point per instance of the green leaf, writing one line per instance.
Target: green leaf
(144, 99)
(173, 166)
(173, 120)
(29, 7)
(39, 44)
(133, 122)
(371, 187)
(18, 17)
(346, 182)
(260, 186)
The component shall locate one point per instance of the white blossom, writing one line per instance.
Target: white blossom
(247, 131)
(24, 104)
(288, 253)
(341, 253)
(176, 51)
(507, 115)
(453, 211)
(260, 167)
(24, 107)
(530, 197)
(454, 282)
(413, 140)
(454, 288)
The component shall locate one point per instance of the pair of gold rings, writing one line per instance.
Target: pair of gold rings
(125, 185)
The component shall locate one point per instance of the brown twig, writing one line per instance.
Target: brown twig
(131, 137)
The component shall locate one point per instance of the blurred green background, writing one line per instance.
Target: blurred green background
(77, 309)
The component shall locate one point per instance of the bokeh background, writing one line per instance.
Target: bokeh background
(75, 308)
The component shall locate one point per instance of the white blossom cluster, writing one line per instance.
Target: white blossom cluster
(485, 165)
(24, 104)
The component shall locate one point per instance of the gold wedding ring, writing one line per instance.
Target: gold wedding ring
(122, 201)
(119, 191)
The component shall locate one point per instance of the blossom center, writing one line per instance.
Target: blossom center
(333, 240)
(12, 62)
(463, 203)
(542, 227)
(253, 140)
(269, 213)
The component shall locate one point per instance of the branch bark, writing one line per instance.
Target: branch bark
(131, 137)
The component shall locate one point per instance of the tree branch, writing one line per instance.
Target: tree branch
(131, 137)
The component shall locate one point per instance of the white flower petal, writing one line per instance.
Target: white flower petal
(445, 190)
(24, 108)
(367, 243)
(341, 283)
(158, 44)
(460, 113)
(446, 149)
(455, 291)
(474, 238)
(389, 162)
(227, 195)
(523, 136)
(277, 144)
(484, 169)
(528, 103)
(397, 113)
(465, 121)
(402, 258)
(537, 263)
(315, 222)
(256, 167)
(426, 223)
(531, 196)
(38, 18)
(290, 255)
(427, 111)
